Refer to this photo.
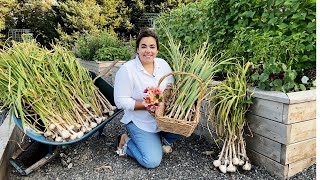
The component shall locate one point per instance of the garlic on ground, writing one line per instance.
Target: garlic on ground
(166, 149)
(235, 161)
(247, 166)
(241, 162)
(231, 168)
(216, 163)
(223, 168)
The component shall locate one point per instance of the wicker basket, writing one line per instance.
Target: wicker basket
(179, 126)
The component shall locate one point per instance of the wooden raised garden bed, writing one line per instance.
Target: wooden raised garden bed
(284, 131)
(99, 67)
(283, 128)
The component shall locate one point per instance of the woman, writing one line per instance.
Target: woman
(143, 141)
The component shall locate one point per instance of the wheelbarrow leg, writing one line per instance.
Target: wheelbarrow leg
(50, 155)
(100, 133)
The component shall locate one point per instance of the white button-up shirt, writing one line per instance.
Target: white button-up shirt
(130, 82)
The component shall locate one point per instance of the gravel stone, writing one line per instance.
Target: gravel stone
(96, 159)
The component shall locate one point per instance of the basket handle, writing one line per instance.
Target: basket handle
(188, 74)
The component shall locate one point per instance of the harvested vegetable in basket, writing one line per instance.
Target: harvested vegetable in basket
(186, 90)
(193, 72)
(50, 91)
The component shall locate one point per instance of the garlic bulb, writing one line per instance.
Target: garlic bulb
(241, 162)
(247, 166)
(231, 168)
(223, 168)
(65, 134)
(80, 134)
(166, 149)
(52, 126)
(73, 137)
(216, 163)
(235, 161)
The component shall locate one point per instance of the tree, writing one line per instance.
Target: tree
(138, 7)
(37, 15)
(77, 17)
(5, 9)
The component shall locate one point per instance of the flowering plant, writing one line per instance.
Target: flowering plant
(277, 76)
(153, 98)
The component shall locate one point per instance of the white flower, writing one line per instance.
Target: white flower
(314, 83)
(304, 79)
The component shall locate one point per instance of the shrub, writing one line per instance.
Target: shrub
(112, 53)
(88, 45)
(187, 24)
(291, 21)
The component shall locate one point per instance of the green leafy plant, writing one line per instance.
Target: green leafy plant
(292, 21)
(277, 76)
(88, 45)
(188, 24)
(112, 53)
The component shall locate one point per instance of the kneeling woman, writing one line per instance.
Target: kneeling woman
(144, 141)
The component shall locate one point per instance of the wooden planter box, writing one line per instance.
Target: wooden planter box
(283, 128)
(284, 131)
(99, 68)
(9, 136)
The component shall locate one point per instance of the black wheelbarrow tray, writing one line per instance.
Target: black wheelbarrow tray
(105, 88)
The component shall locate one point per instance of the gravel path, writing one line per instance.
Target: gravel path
(96, 159)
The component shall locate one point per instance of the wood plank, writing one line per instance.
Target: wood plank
(300, 112)
(301, 131)
(298, 151)
(271, 129)
(302, 96)
(270, 165)
(299, 166)
(264, 146)
(268, 109)
(270, 95)
(10, 148)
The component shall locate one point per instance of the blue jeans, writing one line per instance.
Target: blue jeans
(146, 147)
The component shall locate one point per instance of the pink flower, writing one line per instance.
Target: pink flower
(152, 98)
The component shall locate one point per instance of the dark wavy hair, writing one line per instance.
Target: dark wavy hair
(147, 33)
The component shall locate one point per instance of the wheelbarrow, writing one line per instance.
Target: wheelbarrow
(53, 147)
